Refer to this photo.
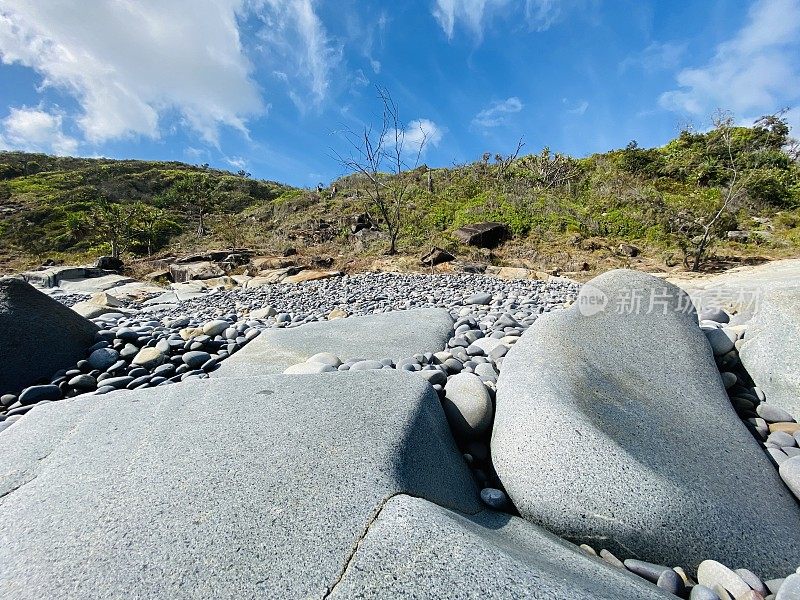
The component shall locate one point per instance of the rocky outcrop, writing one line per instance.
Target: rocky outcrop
(38, 335)
(612, 424)
(181, 272)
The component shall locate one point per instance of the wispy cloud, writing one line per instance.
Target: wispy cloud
(539, 15)
(497, 113)
(128, 63)
(658, 56)
(579, 109)
(293, 35)
(36, 130)
(754, 71)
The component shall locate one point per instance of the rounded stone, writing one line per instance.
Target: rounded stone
(195, 358)
(309, 368)
(37, 393)
(711, 573)
(721, 344)
(216, 327)
(83, 382)
(670, 581)
(467, 405)
(103, 358)
(773, 414)
(494, 498)
(714, 314)
(149, 358)
(790, 473)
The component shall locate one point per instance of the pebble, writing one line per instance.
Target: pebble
(216, 327)
(467, 405)
(646, 570)
(37, 393)
(721, 344)
(790, 588)
(711, 573)
(494, 498)
(195, 358)
(309, 368)
(670, 581)
(789, 471)
(102, 358)
(479, 298)
(773, 414)
(149, 358)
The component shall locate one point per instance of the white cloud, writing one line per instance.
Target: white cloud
(754, 71)
(497, 113)
(294, 36)
(127, 63)
(656, 57)
(36, 130)
(418, 134)
(473, 14)
(580, 109)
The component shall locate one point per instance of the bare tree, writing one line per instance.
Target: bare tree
(697, 232)
(380, 156)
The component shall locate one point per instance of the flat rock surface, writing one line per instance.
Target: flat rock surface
(739, 291)
(224, 488)
(38, 335)
(613, 428)
(396, 335)
(416, 549)
(771, 349)
(93, 285)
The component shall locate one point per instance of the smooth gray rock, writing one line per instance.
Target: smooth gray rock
(395, 335)
(39, 335)
(467, 405)
(102, 358)
(790, 473)
(600, 418)
(790, 588)
(256, 487)
(416, 549)
(771, 349)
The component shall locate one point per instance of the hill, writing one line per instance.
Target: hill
(731, 193)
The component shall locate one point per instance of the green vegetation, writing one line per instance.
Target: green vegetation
(678, 203)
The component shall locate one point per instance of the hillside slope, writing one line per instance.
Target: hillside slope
(730, 193)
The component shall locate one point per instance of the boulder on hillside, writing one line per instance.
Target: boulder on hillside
(395, 335)
(435, 256)
(257, 487)
(38, 336)
(483, 235)
(771, 349)
(612, 424)
(489, 555)
(109, 263)
(181, 272)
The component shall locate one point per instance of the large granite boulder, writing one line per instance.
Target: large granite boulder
(396, 335)
(771, 349)
(38, 335)
(257, 487)
(612, 424)
(416, 549)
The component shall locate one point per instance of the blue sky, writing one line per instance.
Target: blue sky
(271, 85)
